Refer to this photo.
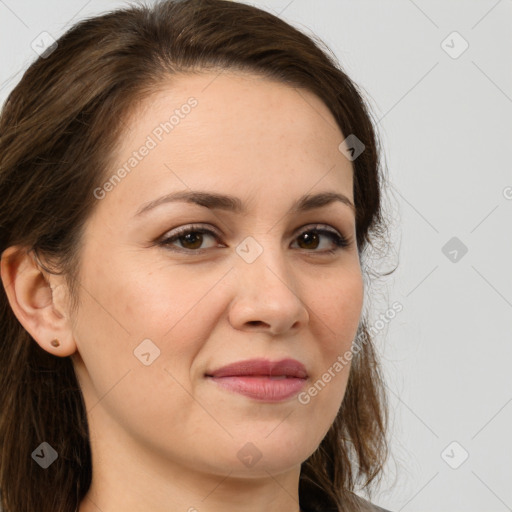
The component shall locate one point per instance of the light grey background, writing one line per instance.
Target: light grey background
(446, 127)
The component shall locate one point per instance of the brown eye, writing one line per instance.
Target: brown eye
(191, 238)
(194, 238)
(311, 240)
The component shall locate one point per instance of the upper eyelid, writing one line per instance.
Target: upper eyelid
(170, 238)
(191, 227)
(340, 240)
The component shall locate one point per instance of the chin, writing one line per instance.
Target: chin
(257, 456)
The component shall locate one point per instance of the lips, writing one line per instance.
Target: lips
(261, 379)
(285, 368)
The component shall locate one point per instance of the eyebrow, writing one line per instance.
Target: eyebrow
(235, 205)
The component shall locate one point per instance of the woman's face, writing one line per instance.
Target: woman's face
(157, 317)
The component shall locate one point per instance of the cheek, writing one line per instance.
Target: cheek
(337, 312)
(168, 304)
(116, 318)
(147, 300)
(175, 308)
(337, 308)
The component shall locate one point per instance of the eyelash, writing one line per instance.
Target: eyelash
(339, 240)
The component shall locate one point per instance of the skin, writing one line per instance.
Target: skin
(163, 437)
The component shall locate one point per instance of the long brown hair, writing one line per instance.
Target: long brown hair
(58, 131)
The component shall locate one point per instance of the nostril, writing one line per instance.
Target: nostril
(255, 322)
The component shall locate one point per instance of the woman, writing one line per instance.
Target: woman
(188, 193)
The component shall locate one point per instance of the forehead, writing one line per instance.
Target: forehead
(230, 129)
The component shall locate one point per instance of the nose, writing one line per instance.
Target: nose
(268, 298)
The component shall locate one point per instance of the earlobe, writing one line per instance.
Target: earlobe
(31, 296)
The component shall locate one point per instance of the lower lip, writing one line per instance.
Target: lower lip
(262, 388)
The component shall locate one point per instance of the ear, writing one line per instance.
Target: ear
(38, 300)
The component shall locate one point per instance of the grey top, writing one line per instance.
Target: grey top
(372, 507)
(380, 509)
